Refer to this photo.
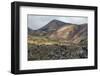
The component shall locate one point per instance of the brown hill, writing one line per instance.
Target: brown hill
(73, 33)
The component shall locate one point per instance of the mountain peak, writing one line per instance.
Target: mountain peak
(55, 20)
(54, 24)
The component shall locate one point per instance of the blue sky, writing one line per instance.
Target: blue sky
(37, 21)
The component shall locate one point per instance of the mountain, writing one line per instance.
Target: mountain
(82, 34)
(30, 31)
(53, 25)
(49, 28)
(59, 30)
(74, 33)
(64, 33)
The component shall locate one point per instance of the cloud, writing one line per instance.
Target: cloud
(37, 21)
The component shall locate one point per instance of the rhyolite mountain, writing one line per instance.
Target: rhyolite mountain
(49, 28)
(53, 26)
(74, 33)
(63, 31)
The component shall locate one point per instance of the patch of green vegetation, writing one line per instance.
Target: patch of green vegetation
(39, 40)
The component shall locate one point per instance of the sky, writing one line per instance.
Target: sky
(37, 21)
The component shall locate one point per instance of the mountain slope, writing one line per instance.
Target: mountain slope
(81, 35)
(49, 28)
(52, 26)
(59, 30)
(74, 33)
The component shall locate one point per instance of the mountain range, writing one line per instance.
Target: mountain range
(56, 29)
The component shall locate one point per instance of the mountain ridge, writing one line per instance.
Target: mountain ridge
(56, 29)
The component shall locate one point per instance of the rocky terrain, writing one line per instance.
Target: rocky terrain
(53, 52)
